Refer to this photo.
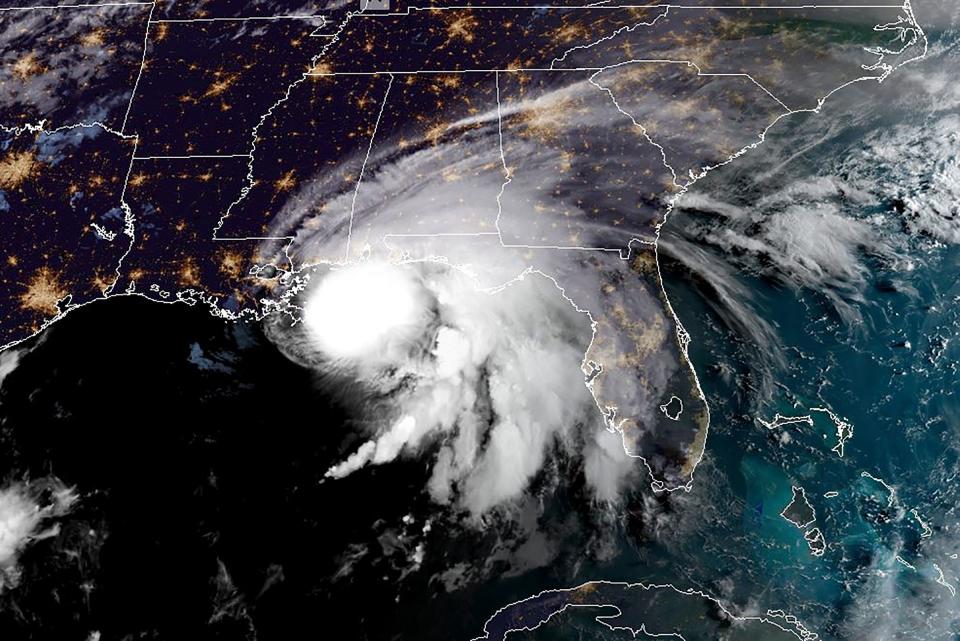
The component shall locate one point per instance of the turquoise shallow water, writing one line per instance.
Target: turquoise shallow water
(883, 360)
(861, 321)
(885, 509)
(853, 307)
(902, 405)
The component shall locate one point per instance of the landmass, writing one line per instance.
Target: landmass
(209, 148)
(216, 155)
(799, 511)
(650, 610)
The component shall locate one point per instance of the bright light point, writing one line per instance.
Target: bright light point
(361, 310)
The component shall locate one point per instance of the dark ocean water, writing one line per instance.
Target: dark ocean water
(198, 451)
(896, 384)
(878, 349)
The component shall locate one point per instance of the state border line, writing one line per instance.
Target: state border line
(239, 19)
(447, 72)
(417, 8)
(592, 7)
(91, 5)
(188, 157)
(363, 167)
(143, 63)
